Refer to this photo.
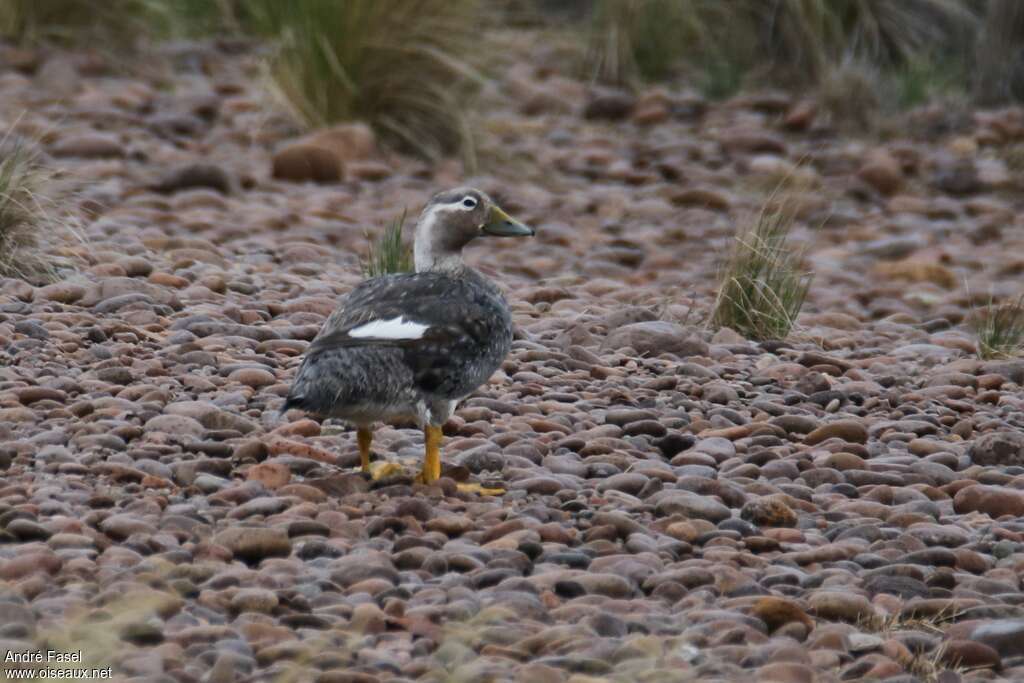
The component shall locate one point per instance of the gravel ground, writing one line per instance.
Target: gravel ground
(681, 504)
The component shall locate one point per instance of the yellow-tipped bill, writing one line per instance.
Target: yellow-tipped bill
(500, 224)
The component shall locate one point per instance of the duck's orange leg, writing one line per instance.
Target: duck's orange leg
(364, 436)
(432, 459)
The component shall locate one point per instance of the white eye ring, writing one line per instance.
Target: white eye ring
(469, 203)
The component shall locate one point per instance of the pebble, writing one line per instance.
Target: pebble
(882, 171)
(995, 501)
(254, 600)
(323, 155)
(252, 377)
(1001, 635)
(968, 654)
(998, 448)
(852, 431)
(253, 544)
(768, 511)
(195, 175)
(690, 505)
(89, 146)
(840, 606)
(656, 337)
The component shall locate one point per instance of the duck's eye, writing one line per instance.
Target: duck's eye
(469, 203)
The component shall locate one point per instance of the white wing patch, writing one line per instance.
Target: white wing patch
(395, 328)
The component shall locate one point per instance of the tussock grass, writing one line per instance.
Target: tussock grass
(763, 287)
(632, 39)
(1000, 62)
(118, 24)
(82, 21)
(26, 222)
(799, 40)
(923, 80)
(389, 253)
(883, 32)
(999, 328)
(399, 65)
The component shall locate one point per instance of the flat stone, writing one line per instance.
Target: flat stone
(690, 505)
(852, 431)
(840, 606)
(995, 501)
(656, 337)
(1004, 636)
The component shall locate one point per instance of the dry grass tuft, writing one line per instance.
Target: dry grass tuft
(1000, 329)
(925, 665)
(389, 253)
(899, 622)
(399, 65)
(1013, 156)
(848, 93)
(27, 225)
(99, 632)
(763, 287)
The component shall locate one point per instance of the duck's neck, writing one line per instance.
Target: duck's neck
(429, 251)
(427, 260)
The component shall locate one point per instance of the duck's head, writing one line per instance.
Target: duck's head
(453, 219)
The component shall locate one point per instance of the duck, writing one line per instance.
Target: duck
(409, 347)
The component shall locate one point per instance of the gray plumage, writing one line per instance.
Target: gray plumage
(469, 333)
(411, 346)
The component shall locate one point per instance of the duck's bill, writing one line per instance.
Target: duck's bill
(500, 224)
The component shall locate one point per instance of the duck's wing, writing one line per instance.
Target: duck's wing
(438, 322)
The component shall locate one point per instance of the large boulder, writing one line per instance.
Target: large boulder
(322, 156)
